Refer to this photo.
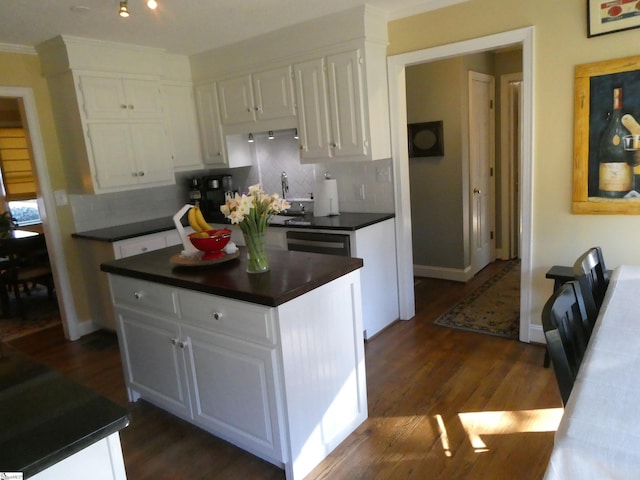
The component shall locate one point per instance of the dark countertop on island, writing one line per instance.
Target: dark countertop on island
(292, 274)
(46, 417)
(344, 222)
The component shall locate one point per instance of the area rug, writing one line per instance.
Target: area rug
(493, 308)
(42, 313)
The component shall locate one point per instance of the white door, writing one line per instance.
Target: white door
(481, 168)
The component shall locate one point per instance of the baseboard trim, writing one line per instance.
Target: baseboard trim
(455, 274)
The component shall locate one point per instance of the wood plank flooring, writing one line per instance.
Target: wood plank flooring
(443, 404)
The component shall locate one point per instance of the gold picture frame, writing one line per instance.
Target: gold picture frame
(594, 83)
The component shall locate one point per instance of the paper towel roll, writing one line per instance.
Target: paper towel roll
(325, 198)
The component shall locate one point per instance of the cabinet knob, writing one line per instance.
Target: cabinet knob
(248, 110)
(476, 191)
(141, 174)
(257, 109)
(130, 107)
(123, 106)
(134, 174)
(174, 341)
(183, 343)
(137, 295)
(217, 315)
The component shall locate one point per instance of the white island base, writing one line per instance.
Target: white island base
(285, 383)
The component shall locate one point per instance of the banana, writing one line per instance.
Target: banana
(193, 221)
(204, 226)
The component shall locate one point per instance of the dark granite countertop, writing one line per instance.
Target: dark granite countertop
(292, 274)
(46, 417)
(344, 222)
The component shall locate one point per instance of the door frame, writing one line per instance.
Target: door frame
(398, 114)
(508, 181)
(48, 213)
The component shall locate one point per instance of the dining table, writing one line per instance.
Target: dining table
(8, 244)
(599, 434)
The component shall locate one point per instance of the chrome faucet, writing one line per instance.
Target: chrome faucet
(285, 184)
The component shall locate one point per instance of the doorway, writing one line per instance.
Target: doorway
(398, 109)
(47, 209)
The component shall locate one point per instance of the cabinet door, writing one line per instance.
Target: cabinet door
(313, 115)
(153, 363)
(103, 98)
(274, 94)
(233, 387)
(212, 142)
(113, 154)
(236, 100)
(346, 104)
(180, 116)
(143, 99)
(152, 158)
(112, 98)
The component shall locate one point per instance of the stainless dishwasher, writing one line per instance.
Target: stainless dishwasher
(329, 243)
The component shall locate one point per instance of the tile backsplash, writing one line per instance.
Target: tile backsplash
(362, 186)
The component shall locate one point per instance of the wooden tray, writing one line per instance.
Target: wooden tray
(198, 262)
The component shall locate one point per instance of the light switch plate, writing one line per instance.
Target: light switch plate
(61, 197)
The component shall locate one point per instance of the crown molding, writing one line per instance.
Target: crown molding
(11, 48)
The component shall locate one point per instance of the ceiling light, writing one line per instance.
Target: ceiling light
(270, 136)
(123, 12)
(250, 139)
(152, 4)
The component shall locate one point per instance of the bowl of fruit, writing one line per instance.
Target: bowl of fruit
(211, 242)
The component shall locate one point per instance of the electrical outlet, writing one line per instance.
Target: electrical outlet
(383, 174)
(359, 191)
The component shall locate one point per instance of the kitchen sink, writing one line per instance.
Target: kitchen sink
(289, 220)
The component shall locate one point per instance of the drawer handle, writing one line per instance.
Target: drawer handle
(183, 343)
(137, 295)
(144, 249)
(174, 341)
(217, 315)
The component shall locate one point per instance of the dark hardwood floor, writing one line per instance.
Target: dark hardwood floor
(443, 404)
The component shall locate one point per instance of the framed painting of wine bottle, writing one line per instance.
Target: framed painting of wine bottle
(606, 162)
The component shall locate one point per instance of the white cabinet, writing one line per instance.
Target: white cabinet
(182, 125)
(266, 95)
(113, 98)
(210, 372)
(285, 383)
(340, 115)
(129, 154)
(211, 137)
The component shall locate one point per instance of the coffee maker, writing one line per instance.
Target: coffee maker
(195, 190)
(214, 191)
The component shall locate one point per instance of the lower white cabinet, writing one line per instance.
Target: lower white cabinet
(285, 383)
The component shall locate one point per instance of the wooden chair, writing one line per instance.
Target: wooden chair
(25, 262)
(563, 322)
(593, 277)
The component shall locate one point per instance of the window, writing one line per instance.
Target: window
(18, 180)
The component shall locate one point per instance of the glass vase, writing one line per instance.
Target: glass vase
(257, 261)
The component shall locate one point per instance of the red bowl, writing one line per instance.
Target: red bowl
(214, 242)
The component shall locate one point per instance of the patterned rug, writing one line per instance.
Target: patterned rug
(41, 313)
(493, 308)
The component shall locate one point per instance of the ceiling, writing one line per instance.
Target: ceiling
(178, 26)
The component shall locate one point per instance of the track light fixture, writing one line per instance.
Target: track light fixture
(270, 136)
(123, 12)
(250, 139)
(295, 134)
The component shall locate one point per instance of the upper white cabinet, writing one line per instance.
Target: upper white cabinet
(111, 98)
(266, 95)
(218, 149)
(338, 115)
(211, 137)
(182, 124)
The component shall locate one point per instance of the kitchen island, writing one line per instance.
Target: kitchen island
(271, 362)
(55, 428)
